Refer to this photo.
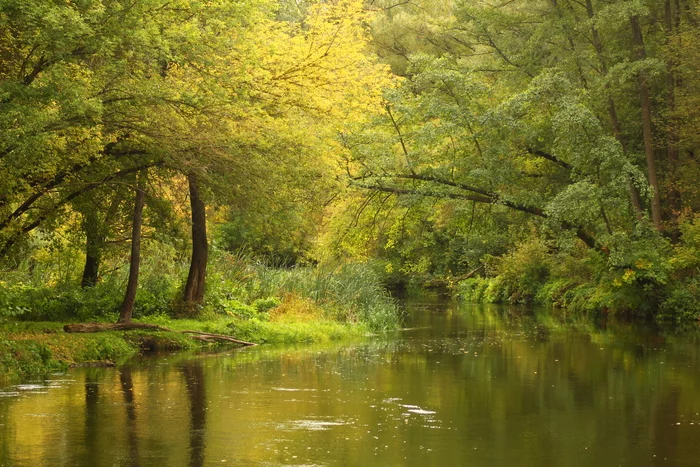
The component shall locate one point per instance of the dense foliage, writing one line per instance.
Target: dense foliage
(528, 151)
(544, 149)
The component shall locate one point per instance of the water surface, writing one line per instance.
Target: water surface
(464, 385)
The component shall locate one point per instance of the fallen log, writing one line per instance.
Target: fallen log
(206, 336)
(198, 335)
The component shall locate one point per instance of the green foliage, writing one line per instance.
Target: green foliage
(531, 111)
(473, 289)
(514, 139)
(279, 238)
(50, 303)
(351, 295)
(263, 305)
(682, 299)
(682, 302)
(20, 359)
(523, 271)
(289, 333)
(347, 293)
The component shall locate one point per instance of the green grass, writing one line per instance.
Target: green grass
(244, 299)
(289, 331)
(33, 348)
(42, 347)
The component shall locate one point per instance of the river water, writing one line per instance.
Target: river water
(465, 385)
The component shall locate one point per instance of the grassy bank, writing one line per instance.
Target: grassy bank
(42, 347)
(33, 348)
(244, 299)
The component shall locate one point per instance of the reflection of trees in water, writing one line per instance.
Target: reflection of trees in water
(92, 419)
(196, 393)
(127, 385)
(664, 435)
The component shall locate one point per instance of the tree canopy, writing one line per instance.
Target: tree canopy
(437, 139)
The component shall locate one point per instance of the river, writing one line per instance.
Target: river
(464, 385)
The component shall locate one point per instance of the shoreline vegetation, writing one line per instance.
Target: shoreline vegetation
(262, 169)
(37, 348)
(245, 300)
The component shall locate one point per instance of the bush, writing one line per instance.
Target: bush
(682, 296)
(236, 287)
(682, 302)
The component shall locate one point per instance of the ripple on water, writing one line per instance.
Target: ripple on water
(30, 387)
(294, 389)
(310, 424)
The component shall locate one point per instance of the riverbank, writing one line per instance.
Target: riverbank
(245, 300)
(35, 348)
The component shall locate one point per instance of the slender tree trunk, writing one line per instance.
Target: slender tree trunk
(127, 307)
(672, 151)
(635, 198)
(645, 101)
(194, 288)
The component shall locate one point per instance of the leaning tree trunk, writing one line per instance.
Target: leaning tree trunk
(194, 287)
(127, 307)
(645, 100)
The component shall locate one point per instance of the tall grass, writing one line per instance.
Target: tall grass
(237, 286)
(346, 293)
(350, 292)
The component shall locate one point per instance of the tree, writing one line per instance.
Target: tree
(554, 110)
(127, 306)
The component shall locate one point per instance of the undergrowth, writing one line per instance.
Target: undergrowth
(237, 287)
(646, 278)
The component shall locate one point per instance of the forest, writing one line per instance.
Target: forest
(266, 164)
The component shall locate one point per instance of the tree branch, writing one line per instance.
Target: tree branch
(549, 157)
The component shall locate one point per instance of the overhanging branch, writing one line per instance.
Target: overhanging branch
(487, 198)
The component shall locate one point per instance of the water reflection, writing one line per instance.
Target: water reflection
(92, 417)
(193, 371)
(127, 386)
(463, 385)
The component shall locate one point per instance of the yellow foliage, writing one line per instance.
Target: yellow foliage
(642, 263)
(295, 308)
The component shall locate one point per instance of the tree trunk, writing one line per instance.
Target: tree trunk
(93, 257)
(127, 306)
(645, 101)
(91, 270)
(96, 231)
(194, 288)
(672, 140)
(635, 199)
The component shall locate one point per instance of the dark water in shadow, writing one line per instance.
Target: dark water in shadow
(465, 385)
